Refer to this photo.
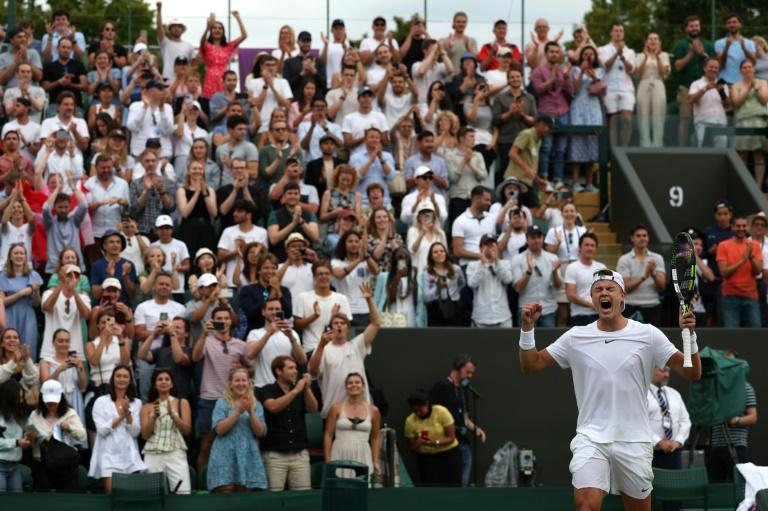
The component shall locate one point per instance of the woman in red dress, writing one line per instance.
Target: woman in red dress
(216, 53)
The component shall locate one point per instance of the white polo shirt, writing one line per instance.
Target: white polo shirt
(471, 229)
(611, 374)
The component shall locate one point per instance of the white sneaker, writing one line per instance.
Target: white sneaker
(591, 188)
(578, 188)
(549, 187)
(559, 184)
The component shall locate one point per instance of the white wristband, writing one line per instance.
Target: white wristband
(527, 341)
(694, 346)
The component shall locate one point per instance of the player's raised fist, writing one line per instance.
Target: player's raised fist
(531, 314)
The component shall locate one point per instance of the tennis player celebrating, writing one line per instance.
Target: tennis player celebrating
(612, 361)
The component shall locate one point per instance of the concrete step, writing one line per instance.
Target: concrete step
(597, 227)
(605, 238)
(586, 199)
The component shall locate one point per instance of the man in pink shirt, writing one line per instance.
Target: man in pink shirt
(554, 89)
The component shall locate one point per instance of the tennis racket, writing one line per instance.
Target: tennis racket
(684, 282)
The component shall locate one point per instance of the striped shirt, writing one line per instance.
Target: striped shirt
(738, 434)
(217, 363)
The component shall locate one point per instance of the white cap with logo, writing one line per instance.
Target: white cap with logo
(609, 275)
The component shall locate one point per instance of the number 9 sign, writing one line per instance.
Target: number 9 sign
(676, 196)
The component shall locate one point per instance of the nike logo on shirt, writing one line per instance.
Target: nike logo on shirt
(608, 341)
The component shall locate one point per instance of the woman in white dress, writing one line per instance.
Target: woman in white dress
(352, 428)
(116, 416)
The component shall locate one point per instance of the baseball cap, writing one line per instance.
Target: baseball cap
(62, 134)
(534, 230)
(140, 47)
(327, 138)
(487, 238)
(468, 55)
(364, 90)
(207, 279)
(608, 275)
(117, 133)
(425, 206)
(723, 203)
(202, 251)
(181, 60)
(154, 84)
(195, 103)
(295, 236)
(304, 36)
(422, 170)
(337, 23)
(111, 282)
(71, 268)
(176, 21)
(504, 50)
(379, 18)
(164, 221)
(51, 391)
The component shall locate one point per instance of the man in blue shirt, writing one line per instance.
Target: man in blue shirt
(374, 164)
(733, 49)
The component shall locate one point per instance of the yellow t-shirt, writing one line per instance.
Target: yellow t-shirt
(432, 428)
(527, 144)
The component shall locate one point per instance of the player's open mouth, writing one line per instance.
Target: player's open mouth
(605, 304)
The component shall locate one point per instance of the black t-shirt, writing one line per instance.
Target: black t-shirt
(119, 51)
(222, 194)
(454, 398)
(182, 375)
(286, 430)
(55, 70)
(415, 53)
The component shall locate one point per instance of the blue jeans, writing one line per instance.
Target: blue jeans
(546, 321)
(10, 477)
(466, 462)
(738, 311)
(552, 152)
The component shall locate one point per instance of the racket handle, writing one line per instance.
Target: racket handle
(687, 362)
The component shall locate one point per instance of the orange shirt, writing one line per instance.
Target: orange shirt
(741, 282)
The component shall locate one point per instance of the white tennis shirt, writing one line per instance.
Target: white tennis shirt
(611, 375)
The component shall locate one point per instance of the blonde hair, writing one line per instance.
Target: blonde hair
(454, 123)
(291, 37)
(25, 270)
(145, 257)
(187, 181)
(229, 396)
(760, 41)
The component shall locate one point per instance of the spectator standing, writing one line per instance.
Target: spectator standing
(554, 90)
(68, 370)
(733, 435)
(269, 92)
(536, 50)
(236, 148)
(342, 100)
(33, 98)
(758, 227)
(689, 55)
(466, 170)
(27, 130)
(578, 281)
(619, 100)
(644, 276)
(296, 271)
(373, 163)
(357, 125)
(338, 201)
(315, 309)
(337, 356)
(427, 157)
(739, 260)
(436, 66)
(333, 50)
(165, 421)
(196, 202)
(117, 419)
(426, 231)
(18, 225)
(66, 120)
(514, 110)
(303, 65)
(424, 191)
(286, 404)
(62, 225)
(411, 48)
(489, 278)
(652, 68)
(109, 196)
(311, 132)
(175, 356)
(12, 420)
(749, 97)
(253, 296)
(176, 252)
(216, 53)
(710, 100)
(54, 418)
(733, 49)
(59, 156)
(238, 420)
(586, 110)
(65, 73)
(290, 218)
(487, 54)
(151, 118)
(19, 53)
(66, 304)
(60, 28)
(536, 276)
(380, 37)
(171, 44)
(221, 354)
(352, 427)
(524, 158)
(276, 338)
(443, 282)
(20, 293)
(670, 424)
(458, 42)
(151, 196)
(16, 364)
(761, 64)
(114, 266)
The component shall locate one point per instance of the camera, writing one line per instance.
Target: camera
(218, 325)
(163, 316)
(72, 353)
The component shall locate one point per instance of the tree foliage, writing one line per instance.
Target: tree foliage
(666, 18)
(131, 16)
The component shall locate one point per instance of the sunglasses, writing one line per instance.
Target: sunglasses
(428, 177)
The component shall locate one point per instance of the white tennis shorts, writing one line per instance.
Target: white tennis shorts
(617, 467)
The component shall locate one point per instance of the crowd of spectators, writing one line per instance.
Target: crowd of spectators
(171, 241)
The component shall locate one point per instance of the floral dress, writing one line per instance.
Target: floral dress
(235, 457)
(216, 60)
